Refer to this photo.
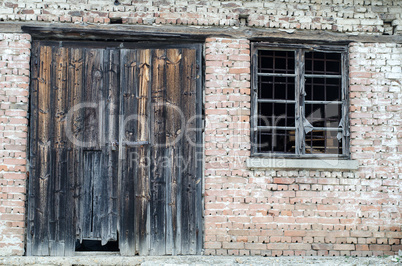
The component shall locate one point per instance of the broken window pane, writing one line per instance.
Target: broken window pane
(322, 141)
(323, 115)
(315, 106)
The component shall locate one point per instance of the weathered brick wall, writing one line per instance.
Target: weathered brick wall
(14, 82)
(370, 16)
(246, 211)
(304, 212)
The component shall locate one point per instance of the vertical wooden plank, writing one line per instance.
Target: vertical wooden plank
(51, 230)
(158, 140)
(85, 219)
(345, 105)
(173, 133)
(93, 174)
(93, 125)
(189, 108)
(33, 148)
(109, 148)
(188, 175)
(59, 77)
(199, 187)
(142, 185)
(74, 177)
(254, 97)
(127, 240)
(93, 75)
(44, 148)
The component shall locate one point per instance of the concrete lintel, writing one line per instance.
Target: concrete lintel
(314, 164)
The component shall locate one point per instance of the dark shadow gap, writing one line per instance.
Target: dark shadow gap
(96, 245)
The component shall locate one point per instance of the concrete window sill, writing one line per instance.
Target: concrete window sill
(303, 164)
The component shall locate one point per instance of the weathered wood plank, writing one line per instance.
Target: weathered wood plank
(93, 125)
(160, 201)
(93, 175)
(199, 151)
(173, 135)
(59, 86)
(189, 178)
(33, 148)
(111, 109)
(75, 127)
(142, 183)
(127, 241)
(93, 75)
(44, 149)
(157, 179)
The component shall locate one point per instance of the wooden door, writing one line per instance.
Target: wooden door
(114, 139)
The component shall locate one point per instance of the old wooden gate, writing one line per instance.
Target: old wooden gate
(115, 147)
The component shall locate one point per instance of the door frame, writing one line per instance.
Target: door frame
(150, 44)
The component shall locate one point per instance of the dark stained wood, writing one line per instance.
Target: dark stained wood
(88, 200)
(142, 192)
(199, 151)
(110, 155)
(44, 149)
(189, 173)
(157, 179)
(33, 152)
(93, 76)
(59, 87)
(127, 160)
(110, 139)
(172, 153)
(75, 124)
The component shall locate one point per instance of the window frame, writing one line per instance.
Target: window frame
(300, 134)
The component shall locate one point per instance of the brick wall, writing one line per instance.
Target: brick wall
(304, 212)
(253, 212)
(14, 82)
(369, 16)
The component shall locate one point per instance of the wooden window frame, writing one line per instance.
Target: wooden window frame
(300, 50)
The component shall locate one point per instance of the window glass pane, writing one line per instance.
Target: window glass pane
(276, 88)
(276, 114)
(278, 141)
(321, 141)
(282, 62)
(323, 63)
(323, 89)
(276, 118)
(323, 115)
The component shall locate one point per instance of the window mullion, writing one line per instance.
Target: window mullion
(299, 96)
(254, 103)
(345, 105)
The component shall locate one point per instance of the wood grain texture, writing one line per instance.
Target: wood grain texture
(33, 151)
(127, 175)
(44, 149)
(59, 78)
(110, 160)
(158, 140)
(173, 149)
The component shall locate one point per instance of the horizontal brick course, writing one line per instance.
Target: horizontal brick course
(327, 213)
(334, 15)
(14, 80)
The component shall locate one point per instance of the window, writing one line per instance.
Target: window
(300, 101)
